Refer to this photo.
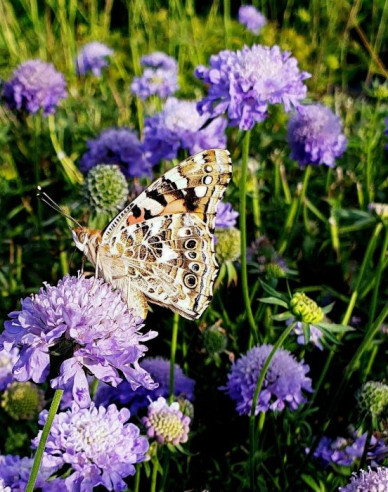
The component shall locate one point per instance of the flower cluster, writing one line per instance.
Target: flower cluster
(85, 322)
(315, 136)
(22, 401)
(251, 18)
(228, 244)
(98, 443)
(371, 480)
(160, 76)
(92, 58)
(7, 361)
(242, 84)
(305, 309)
(179, 126)
(283, 384)
(35, 85)
(226, 217)
(372, 398)
(119, 146)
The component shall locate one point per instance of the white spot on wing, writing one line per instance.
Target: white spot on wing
(200, 191)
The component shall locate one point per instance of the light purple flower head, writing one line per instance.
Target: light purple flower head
(242, 84)
(99, 444)
(315, 334)
(368, 481)
(315, 135)
(159, 370)
(283, 384)
(166, 423)
(35, 85)
(84, 322)
(226, 217)
(119, 146)
(7, 361)
(179, 126)
(92, 58)
(158, 59)
(157, 81)
(251, 18)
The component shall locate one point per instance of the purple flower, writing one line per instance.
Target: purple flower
(92, 58)
(158, 82)
(368, 481)
(84, 322)
(251, 18)
(179, 126)
(315, 136)
(226, 217)
(242, 84)
(35, 85)
(315, 334)
(98, 444)
(117, 146)
(159, 369)
(158, 59)
(283, 384)
(7, 361)
(166, 423)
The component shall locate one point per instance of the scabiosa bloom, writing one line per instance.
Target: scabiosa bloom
(117, 146)
(158, 59)
(372, 398)
(7, 361)
(92, 58)
(179, 126)
(283, 384)
(106, 458)
(35, 85)
(368, 481)
(159, 369)
(251, 18)
(226, 217)
(315, 136)
(166, 423)
(242, 84)
(86, 322)
(315, 334)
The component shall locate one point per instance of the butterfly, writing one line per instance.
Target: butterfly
(160, 248)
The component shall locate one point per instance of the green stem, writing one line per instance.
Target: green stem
(155, 464)
(367, 443)
(43, 439)
(243, 230)
(174, 338)
(380, 268)
(137, 479)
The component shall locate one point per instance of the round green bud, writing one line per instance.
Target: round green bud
(228, 244)
(22, 401)
(214, 340)
(332, 62)
(372, 398)
(274, 270)
(305, 309)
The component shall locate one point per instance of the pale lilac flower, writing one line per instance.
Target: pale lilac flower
(162, 83)
(166, 423)
(226, 217)
(99, 444)
(315, 136)
(158, 59)
(7, 361)
(242, 84)
(251, 18)
(159, 370)
(92, 58)
(179, 126)
(368, 481)
(315, 334)
(84, 322)
(119, 146)
(283, 384)
(35, 85)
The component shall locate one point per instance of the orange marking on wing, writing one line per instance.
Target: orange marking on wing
(131, 219)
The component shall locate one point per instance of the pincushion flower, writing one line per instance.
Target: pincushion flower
(159, 370)
(7, 361)
(315, 136)
(84, 322)
(119, 146)
(179, 126)
(242, 84)
(226, 217)
(99, 444)
(368, 481)
(283, 385)
(92, 58)
(35, 85)
(251, 18)
(158, 59)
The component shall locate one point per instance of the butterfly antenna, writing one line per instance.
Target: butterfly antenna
(50, 202)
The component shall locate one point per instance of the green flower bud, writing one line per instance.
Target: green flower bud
(305, 309)
(274, 270)
(214, 340)
(372, 398)
(332, 62)
(304, 15)
(228, 244)
(186, 407)
(22, 401)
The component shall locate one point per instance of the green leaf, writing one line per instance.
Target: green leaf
(334, 327)
(282, 316)
(273, 300)
(328, 308)
(306, 332)
(272, 292)
(311, 483)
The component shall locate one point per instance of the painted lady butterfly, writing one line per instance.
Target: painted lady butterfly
(160, 249)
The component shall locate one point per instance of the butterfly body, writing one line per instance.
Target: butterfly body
(160, 248)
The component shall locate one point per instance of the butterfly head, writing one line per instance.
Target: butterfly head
(87, 241)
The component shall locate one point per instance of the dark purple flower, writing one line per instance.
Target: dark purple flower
(315, 135)
(35, 85)
(368, 481)
(99, 444)
(92, 58)
(119, 146)
(86, 322)
(242, 84)
(283, 384)
(158, 59)
(226, 217)
(179, 126)
(251, 18)
(7, 361)
(159, 369)
(157, 81)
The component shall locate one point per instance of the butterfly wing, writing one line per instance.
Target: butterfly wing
(162, 243)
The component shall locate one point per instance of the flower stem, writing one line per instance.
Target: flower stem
(43, 439)
(243, 230)
(155, 465)
(174, 338)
